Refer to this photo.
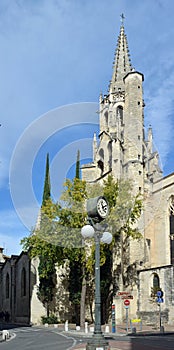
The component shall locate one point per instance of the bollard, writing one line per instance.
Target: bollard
(86, 327)
(134, 330)
(66, 326)
(5, 334)
(162, 329)
(106, 329)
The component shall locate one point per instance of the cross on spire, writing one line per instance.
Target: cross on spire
(122, 16)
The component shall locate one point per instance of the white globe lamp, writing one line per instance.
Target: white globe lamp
(106, 238)
(87, 231)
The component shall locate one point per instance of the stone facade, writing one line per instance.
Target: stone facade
(123, 150)
(148, 308)
(19, 284)
(15, 291)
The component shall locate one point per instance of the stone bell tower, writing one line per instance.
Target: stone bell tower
(122, 149)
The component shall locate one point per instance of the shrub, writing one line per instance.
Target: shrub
(52, 319)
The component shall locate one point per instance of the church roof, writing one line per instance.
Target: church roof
(122, 63)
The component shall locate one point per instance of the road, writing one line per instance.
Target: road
(26, 338)
(35, 338)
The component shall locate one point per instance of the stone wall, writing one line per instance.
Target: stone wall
(148, 307)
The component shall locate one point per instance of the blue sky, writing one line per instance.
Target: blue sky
(59, 52)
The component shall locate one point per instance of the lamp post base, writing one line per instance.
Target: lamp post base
(98, 342)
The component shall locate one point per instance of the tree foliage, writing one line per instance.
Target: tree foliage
(78, 165)
(47, 187)
(125, 208)
(59, 236)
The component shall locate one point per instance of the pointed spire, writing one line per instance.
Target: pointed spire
(122, 63)
(47, 187)
(78, 165)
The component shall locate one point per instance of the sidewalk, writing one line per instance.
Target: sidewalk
(120, 332)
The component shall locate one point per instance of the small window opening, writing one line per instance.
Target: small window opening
(7, 286)
(23, 282)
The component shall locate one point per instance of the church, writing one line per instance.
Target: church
(124, 150)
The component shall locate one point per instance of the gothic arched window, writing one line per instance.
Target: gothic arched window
(110, 155)
(120, 114)
(23, 282)
(156, 281)
(101, 160)
(171, 218)
(7, 286)
(155, 285)
(106, 119)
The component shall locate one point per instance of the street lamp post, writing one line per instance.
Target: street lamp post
(98, 341)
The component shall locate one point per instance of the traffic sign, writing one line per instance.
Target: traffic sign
(127, 297)
(159, 300)
(123, 293)
(126, 302)
(159, 295)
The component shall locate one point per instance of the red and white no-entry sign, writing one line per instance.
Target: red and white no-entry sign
(126, 302)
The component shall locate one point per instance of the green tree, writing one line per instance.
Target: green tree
(59, 235)
(46, 269)
(58, 239)
(73, 215)
(47, 187)
(78, 165)
(125, 210)
(47, 282)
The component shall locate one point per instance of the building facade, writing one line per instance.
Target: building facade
(124, 150)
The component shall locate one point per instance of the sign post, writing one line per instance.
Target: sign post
(127, 303)
(113, 319)
(160, 300)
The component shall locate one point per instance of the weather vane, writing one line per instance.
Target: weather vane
(122, 19)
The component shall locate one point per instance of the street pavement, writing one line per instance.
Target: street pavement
(147, 338)
(123, 340)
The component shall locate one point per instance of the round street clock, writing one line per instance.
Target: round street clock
(102, 207)
(97, 207)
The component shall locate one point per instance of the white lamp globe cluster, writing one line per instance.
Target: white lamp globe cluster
(88, 231)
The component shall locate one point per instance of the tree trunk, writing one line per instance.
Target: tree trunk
(82, 302)
(91, 311)
(77, 314)
(48, 310)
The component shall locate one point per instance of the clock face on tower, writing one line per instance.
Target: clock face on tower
(102, 207)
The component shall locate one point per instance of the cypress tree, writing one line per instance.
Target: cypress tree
(47, 187)
(78, 165)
